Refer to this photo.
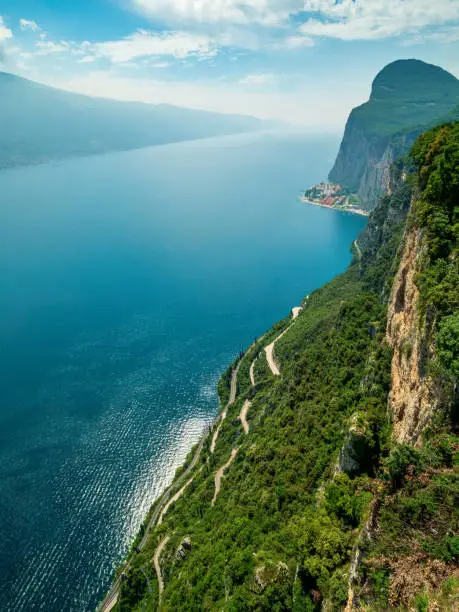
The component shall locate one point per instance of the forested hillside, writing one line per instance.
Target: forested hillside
(332, 482)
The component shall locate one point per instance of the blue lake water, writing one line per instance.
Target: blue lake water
(128, 283)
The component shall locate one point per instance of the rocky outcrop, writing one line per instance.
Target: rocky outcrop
(358, 152)
(269, 574)
(365, 536)
(407, 97)
(183, 549)
(355, 448)
(364, 161)
(375, 179)
(414, 398)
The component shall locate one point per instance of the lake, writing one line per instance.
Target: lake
(129, 282)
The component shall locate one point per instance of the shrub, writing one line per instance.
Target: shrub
(400, 459)
(448, 344)
(344, 501)
(421, 603)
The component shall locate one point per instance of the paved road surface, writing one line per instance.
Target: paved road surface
(232, 397)
(243, 415)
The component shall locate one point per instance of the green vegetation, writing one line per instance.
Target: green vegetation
(401, 101)
(267, 522)
(416, 546)
(354, 200)
(419, 521)
(436, 154)
(318, 468)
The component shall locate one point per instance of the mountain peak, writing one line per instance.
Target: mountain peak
(412, 78)
(407, 97)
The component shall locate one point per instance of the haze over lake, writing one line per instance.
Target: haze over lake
(129, 282)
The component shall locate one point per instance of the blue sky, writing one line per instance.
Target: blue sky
(304, 61)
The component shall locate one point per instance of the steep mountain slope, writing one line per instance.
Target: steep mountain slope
(411, 554)
(39, 123)
(343, 489)
(407, 97)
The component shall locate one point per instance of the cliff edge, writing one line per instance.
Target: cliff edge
(407, 97)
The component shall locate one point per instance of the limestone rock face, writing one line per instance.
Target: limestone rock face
(375, 180)
(414, 398)
(356, 153)
(364, 161)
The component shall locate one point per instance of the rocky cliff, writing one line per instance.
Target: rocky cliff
(394, 565)
(414, 398)
(407, 97)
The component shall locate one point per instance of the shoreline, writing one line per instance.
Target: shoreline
(174, 490)
(170, 493)
(353, 211)
(151, 520)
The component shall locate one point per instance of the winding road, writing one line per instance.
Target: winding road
(243, 415)
(173, 499)
(269, 350)
(219, 474)
(296, 311)
(156, 560)
(232, 397)
(252, 372)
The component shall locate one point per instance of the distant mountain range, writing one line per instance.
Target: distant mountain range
(39, 123)
(407, 97)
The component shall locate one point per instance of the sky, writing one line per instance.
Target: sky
(307, 62)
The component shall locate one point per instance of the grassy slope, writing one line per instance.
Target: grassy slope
(281, 532)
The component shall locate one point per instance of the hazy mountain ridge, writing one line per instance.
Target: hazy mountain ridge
(40, 123)
(407, 97)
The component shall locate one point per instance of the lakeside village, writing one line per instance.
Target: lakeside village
(330, 195)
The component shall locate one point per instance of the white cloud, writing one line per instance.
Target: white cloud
(48, 47)
(447, 35)
(5, 32)
(258, 79)
(27, 24)
(265, 12)
(376, 19)
(296, 42)
(143, 44)
(87, 59)
(152, 63)
(146, 44)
